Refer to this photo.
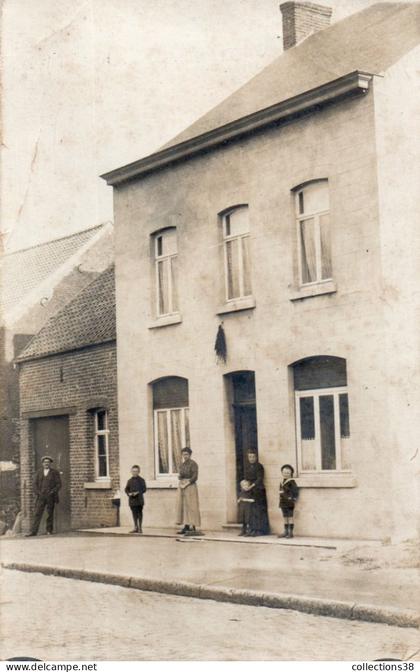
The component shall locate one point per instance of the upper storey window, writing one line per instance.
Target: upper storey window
(313, 232)
(237, 253)
(166, 254)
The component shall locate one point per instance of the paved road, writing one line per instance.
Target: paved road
(62, 619)
(312, 572)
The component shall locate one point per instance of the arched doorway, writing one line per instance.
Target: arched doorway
(242, 397)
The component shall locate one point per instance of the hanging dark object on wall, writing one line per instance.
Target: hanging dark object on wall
(220, 345)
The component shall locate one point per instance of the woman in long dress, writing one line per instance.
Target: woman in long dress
(254, 473)
(188, 507)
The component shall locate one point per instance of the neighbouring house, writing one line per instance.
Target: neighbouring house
(34, 284)
(289, 217)
(68, 407)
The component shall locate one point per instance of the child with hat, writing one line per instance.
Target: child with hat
(289, 493)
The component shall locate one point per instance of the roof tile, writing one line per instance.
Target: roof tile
(87, 320)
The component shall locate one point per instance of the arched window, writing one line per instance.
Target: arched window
(171, 423)
(236, 253)
(313, 231)
(166, 253)
(322, 414)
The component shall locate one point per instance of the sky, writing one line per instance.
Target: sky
(90, 85)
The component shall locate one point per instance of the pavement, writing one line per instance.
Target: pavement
(300, 574)
(96, 621)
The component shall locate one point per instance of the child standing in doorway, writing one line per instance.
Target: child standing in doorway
(289, 493)
(245, 502)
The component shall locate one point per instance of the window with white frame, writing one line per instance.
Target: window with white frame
(100, 418)
(166, 253)
(313, 232)
(237, 257)
(322, 415)
(171, 423)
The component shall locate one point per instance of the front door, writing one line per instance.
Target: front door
(246, 436)
(245, 416)
(51, 437)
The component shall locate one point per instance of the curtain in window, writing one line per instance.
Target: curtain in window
(246, 263)
(174, 271)
(232, 254)
(327, 428)
(187, 427)
(176, 434)
(308, 251)
(324, 227)
(163, 287)
(307, 418)
(162, 433)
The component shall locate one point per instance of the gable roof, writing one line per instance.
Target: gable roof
(23, 271)
(89, 319)
(369, 41)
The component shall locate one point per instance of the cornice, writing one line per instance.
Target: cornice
(354, 83)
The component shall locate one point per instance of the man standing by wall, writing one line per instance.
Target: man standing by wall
(47, 484)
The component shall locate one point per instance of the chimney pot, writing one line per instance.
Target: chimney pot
(301, 19)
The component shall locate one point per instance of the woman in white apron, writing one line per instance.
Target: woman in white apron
(188, 507)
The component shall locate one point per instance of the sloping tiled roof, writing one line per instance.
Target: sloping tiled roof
(22, 271)
(371, 41)
(87, 320)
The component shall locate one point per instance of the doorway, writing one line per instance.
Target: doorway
(245, 418)
(51, 437)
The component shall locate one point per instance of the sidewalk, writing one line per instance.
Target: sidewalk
(301, 574)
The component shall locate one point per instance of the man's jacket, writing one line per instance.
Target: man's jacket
(47, 486)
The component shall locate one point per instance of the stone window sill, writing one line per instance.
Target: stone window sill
(162, 484)
(319, 289)
(98, 485)
(343, 480)
(238, 304)
(166, 320)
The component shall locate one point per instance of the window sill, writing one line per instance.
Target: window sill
(166, 320)
(163, 484)
(326, 481)
(98, 485)
(319, 289)
(237, 304)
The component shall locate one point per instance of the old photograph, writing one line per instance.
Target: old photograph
(210, 330)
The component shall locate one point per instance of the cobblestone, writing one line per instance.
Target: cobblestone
(63, 619)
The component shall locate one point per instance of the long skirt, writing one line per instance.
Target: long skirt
(259, 515)
(188, 507)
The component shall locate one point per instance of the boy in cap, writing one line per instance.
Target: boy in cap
(47, 484)
(289, 493)
(135, 489)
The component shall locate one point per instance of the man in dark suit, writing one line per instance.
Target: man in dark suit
(47, 484)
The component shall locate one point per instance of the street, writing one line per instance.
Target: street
(63, 619)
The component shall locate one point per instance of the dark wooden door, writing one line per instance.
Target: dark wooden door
(51, 437)
(246, 436)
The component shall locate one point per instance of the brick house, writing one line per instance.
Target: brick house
(68, 407)
(288, 216)
(35, 283)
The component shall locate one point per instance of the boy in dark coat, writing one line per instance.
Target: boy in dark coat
(289, 493)
(135, 489)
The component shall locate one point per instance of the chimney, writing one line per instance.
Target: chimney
(301, 19)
